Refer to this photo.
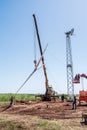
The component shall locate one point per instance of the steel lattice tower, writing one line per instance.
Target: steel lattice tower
(69, 64)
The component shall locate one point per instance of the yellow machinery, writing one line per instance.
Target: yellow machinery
(49, 90)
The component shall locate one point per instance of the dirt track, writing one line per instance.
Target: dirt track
(59, 112)
(47, 110)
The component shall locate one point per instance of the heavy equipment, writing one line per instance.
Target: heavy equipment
(50, 93)
(82, 93)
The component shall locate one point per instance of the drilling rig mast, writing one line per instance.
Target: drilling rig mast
(69, 64)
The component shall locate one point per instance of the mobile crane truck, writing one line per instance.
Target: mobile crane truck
(50, 93)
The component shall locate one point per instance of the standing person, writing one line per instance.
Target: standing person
(62, 97)
(74, 103)
(11, 101)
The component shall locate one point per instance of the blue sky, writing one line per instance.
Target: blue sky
(17, 37)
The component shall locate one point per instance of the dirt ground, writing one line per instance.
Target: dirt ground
(53, 111)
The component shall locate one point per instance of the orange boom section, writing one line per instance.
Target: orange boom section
(82, 96)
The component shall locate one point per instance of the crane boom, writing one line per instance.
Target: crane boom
(41, 52)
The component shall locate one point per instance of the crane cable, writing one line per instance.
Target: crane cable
(36, 68)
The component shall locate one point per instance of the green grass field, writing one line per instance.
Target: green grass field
(6, 97)
(26, 97)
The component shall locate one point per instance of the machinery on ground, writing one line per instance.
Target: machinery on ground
(82, 93)
(50, 93)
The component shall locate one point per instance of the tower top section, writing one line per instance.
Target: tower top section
(70, 32)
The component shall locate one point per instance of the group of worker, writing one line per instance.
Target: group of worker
(73, 102)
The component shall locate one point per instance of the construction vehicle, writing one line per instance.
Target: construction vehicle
(82, 97)
(49, 94)
(82, 93)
